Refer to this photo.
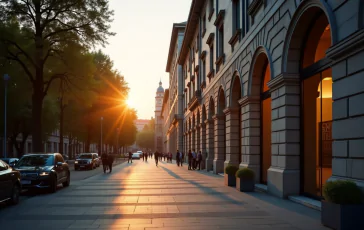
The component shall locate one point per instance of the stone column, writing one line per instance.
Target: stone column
(203, 143)
(250, 119)
(193, 138)
(180, 135)
(209, 144)
(232, 136)
(284, 173)
(219, 143)
(198, 140)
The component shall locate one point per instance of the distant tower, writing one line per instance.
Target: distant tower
(158, 120)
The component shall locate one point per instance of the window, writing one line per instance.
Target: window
(221, 41)
(203, 25)
(211, 58)
(211, 9)
(203, 72)
(245, 17)
(236, 15)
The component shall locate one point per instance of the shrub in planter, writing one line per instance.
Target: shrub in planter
(343, 206)
(245, 180)
(229, 176)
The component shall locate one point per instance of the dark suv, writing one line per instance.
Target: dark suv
(43, 170)
(10, 186)
(85, 161)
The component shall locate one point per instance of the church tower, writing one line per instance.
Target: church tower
(158, 119)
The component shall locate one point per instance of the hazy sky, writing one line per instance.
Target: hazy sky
(140, 47)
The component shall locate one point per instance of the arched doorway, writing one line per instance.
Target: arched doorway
(220, 147)
(261, 76)
(311, 39)
(236, 130)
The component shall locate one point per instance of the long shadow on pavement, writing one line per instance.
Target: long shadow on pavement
(204, 188)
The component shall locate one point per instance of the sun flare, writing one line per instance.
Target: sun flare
(129, 102)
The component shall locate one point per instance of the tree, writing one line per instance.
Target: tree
(145, 138)
(46, 29)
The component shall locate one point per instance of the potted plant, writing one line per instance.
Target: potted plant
(229, 175)
(343, 206)
(245, 180)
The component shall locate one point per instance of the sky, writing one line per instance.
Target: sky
(140, 47)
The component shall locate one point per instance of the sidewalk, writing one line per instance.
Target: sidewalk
(143, 196)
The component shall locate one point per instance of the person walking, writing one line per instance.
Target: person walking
(146, 156)
(190, 159)
(156, 157)
(178, 159)
(130, 157)
(110, 160)
(105, 162)
(199, 160)
(194, 156)
(143, 155)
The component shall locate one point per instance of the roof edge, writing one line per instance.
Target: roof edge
(174, 36)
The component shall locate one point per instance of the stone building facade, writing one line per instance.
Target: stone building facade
(158, 130)
(276, 86)
(173, 118)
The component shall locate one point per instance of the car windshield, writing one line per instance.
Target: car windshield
(36, 160)
(85, 156)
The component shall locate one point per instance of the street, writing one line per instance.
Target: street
(143, 196)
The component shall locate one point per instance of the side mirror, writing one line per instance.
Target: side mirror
(59, 164)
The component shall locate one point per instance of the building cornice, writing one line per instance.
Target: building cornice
(175, 30)
(192, 25)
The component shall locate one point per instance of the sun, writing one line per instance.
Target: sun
(129, 102)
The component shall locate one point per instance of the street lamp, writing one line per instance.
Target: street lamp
(117, 140)
(6, 79)
(101, 119)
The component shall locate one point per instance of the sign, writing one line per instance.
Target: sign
(326, 144)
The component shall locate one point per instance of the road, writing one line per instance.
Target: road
(167, 197)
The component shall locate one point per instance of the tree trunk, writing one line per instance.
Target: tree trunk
(20, 149)
(37, 108)
(61, 126)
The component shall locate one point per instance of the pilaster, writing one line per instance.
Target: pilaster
(209, 144)
(232, 136)
(219, 143)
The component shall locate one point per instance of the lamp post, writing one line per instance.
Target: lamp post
(6, 79)
(117, 140)
(101, 147)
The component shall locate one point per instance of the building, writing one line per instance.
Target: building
(141, 123)
(158, 131)
(165, 122)
(276, 86)
(172, 107)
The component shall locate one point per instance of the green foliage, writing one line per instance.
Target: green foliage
(145, 139)
(245, 173)
(231, 169)
(342, 192)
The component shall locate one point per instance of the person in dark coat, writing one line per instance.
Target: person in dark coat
(130, 157)
(104, 159)
(190, 159)
(110, 160)
(156, 157)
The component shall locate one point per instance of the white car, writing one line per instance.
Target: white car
(136, 156)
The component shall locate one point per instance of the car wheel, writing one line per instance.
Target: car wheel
(68, 181)
(53, 186)
(14, 199)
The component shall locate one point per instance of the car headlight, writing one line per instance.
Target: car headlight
(44, 174)
(76, 162)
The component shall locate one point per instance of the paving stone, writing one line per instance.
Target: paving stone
(169, 198)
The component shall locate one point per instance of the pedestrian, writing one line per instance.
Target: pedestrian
(190, 159)
(110, 160)
(194, 155)
(156, 157)
(170, 157)
(199, 160)
(143, 155)
(146, 156)
(130, 157)
(104, 160)
(178, 159)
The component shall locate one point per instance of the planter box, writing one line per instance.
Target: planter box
(245, 185)
(342, 217)
(229, 180)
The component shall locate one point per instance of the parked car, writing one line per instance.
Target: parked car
(85, 161)
(97, 160)
(43, 170)
(10, 161)
(136, 156)
(10, 186)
